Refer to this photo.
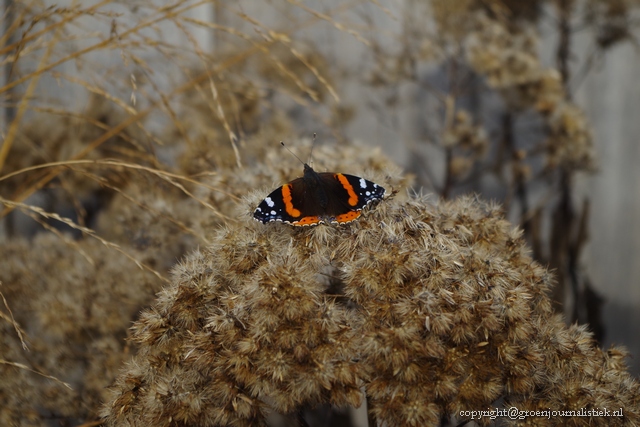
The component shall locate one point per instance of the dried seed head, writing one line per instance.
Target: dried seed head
(431, 309)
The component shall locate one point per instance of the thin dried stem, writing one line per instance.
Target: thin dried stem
(88, 231)
(13, 322)
(35, 371)
(24, 102)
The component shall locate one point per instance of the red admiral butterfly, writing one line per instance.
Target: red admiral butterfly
(315, 198)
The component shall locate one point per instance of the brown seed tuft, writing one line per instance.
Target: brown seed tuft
(429, 310)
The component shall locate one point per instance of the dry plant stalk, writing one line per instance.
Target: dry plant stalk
(425, 311)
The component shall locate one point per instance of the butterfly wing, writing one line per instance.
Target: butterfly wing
(290, 204)
(348, 193)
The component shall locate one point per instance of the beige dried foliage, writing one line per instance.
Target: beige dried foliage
(424, 310)
(508, 59)
(75, 306)
(569, 143)
(451, 16)
(58, 135)
(612, 21)
(201, 127)
(298, 69)
(467, 141)
(428, 310)
(70, 313)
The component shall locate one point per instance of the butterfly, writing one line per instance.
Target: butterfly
(319, 197)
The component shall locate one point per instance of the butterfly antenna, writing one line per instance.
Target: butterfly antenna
(313, 144)
(292, 153)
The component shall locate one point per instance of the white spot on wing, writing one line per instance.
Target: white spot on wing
(269, 202)
(363, 183)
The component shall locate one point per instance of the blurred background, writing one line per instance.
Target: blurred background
(131, 130)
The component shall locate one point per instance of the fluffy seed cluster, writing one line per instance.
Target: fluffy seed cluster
(468, 141)
(508, 59)
(423, 310)
(74, 306)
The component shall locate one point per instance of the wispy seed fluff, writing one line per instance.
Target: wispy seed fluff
(423, 310)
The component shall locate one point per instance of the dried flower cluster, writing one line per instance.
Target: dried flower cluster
(612, 20)
(468, 141)
(508, 59)
(427, 310)
(74, 305)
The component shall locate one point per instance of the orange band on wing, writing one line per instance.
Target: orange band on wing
(347, 217)
(307, 220)
(286, 198)
(353, 197)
